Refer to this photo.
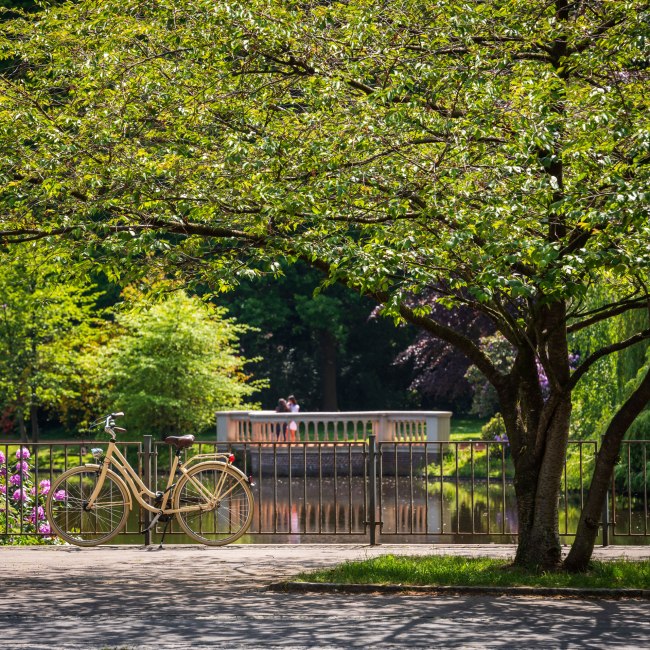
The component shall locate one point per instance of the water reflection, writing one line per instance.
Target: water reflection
(412, 510)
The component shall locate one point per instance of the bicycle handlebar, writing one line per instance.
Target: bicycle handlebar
(109, 425)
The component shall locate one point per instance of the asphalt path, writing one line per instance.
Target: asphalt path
(195, 597)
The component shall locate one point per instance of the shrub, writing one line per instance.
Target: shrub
(494, 429)
(22, 502)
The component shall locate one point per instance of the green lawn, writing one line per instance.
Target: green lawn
(439, 570)
(466, 428)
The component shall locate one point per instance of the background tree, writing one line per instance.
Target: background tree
(47, 325)
(173, 365)
(493, 154)
(329, 349)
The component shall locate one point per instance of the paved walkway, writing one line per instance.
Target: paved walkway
(198, 597)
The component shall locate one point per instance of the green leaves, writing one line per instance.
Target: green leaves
(175, 363)
(495, 150)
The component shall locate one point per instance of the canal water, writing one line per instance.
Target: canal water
(412, 511)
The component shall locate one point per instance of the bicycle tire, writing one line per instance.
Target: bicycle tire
(229, 519)
(67, 515)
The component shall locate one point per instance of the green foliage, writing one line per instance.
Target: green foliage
(47, 325)
(493, 154)
(478, 460)
(300, 334)
(633, 470)
(173, 365)
(598, 394)
(494, 429)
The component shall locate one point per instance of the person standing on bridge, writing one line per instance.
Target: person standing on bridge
(294, 407)
(281, 427)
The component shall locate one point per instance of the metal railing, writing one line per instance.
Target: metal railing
(365, 491)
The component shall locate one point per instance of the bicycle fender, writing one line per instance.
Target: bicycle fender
(222, 464)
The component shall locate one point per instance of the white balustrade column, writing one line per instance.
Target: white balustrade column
(438, 427)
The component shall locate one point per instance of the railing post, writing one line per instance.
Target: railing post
(372, 488)
(147, 453)
(605, 520)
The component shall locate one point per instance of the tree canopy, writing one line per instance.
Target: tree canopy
(492, 154)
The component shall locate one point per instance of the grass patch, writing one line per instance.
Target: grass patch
(466, 428)
(460, 571)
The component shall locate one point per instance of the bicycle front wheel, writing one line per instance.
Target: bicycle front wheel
(74, 520)
(218, 523)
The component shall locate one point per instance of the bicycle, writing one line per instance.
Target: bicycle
(212, 500)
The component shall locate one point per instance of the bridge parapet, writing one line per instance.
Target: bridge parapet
(347, 426)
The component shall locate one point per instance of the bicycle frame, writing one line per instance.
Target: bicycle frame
(137, 488)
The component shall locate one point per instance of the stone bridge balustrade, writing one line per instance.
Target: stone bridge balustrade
(347, 426)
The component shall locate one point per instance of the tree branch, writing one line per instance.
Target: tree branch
(603, 352)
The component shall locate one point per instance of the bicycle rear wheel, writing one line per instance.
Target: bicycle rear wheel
(67, 512)
(232, 514)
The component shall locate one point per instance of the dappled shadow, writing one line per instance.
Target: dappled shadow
(166, 599)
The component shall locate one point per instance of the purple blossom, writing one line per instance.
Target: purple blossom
(3, 471)
(23, 452)
(2, 458)
(60, 495)
(44, 528)
(19, 495)
(502, 437)
(22, 466)
(16, 479)
(37, 514)
(3, 489)
(43, 488)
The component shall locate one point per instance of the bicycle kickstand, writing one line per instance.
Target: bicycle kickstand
(162, 539)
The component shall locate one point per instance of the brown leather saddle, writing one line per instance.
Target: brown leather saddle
(180, 442)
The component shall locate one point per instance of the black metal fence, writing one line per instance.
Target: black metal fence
(359, 491)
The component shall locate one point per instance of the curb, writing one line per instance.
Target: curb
(558, 592)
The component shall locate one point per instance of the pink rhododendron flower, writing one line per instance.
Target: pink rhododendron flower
(60, 495)
(3, 471)
(16, 479)
(19, 495)
(44, 486)
(3, 489)
(2, 458)
(22, 466)
(44, 528)
(23, 452)
(37, 514)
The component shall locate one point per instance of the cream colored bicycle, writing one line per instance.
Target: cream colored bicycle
(210, 498)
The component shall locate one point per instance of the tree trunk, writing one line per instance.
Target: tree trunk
(33, 419)
(538, 486)
(583, 544)
(328, 348)
(21, 426)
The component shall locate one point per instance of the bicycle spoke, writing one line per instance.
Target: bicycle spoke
(78, 521)
(210, 522)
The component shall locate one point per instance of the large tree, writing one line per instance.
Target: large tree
(494, 153)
